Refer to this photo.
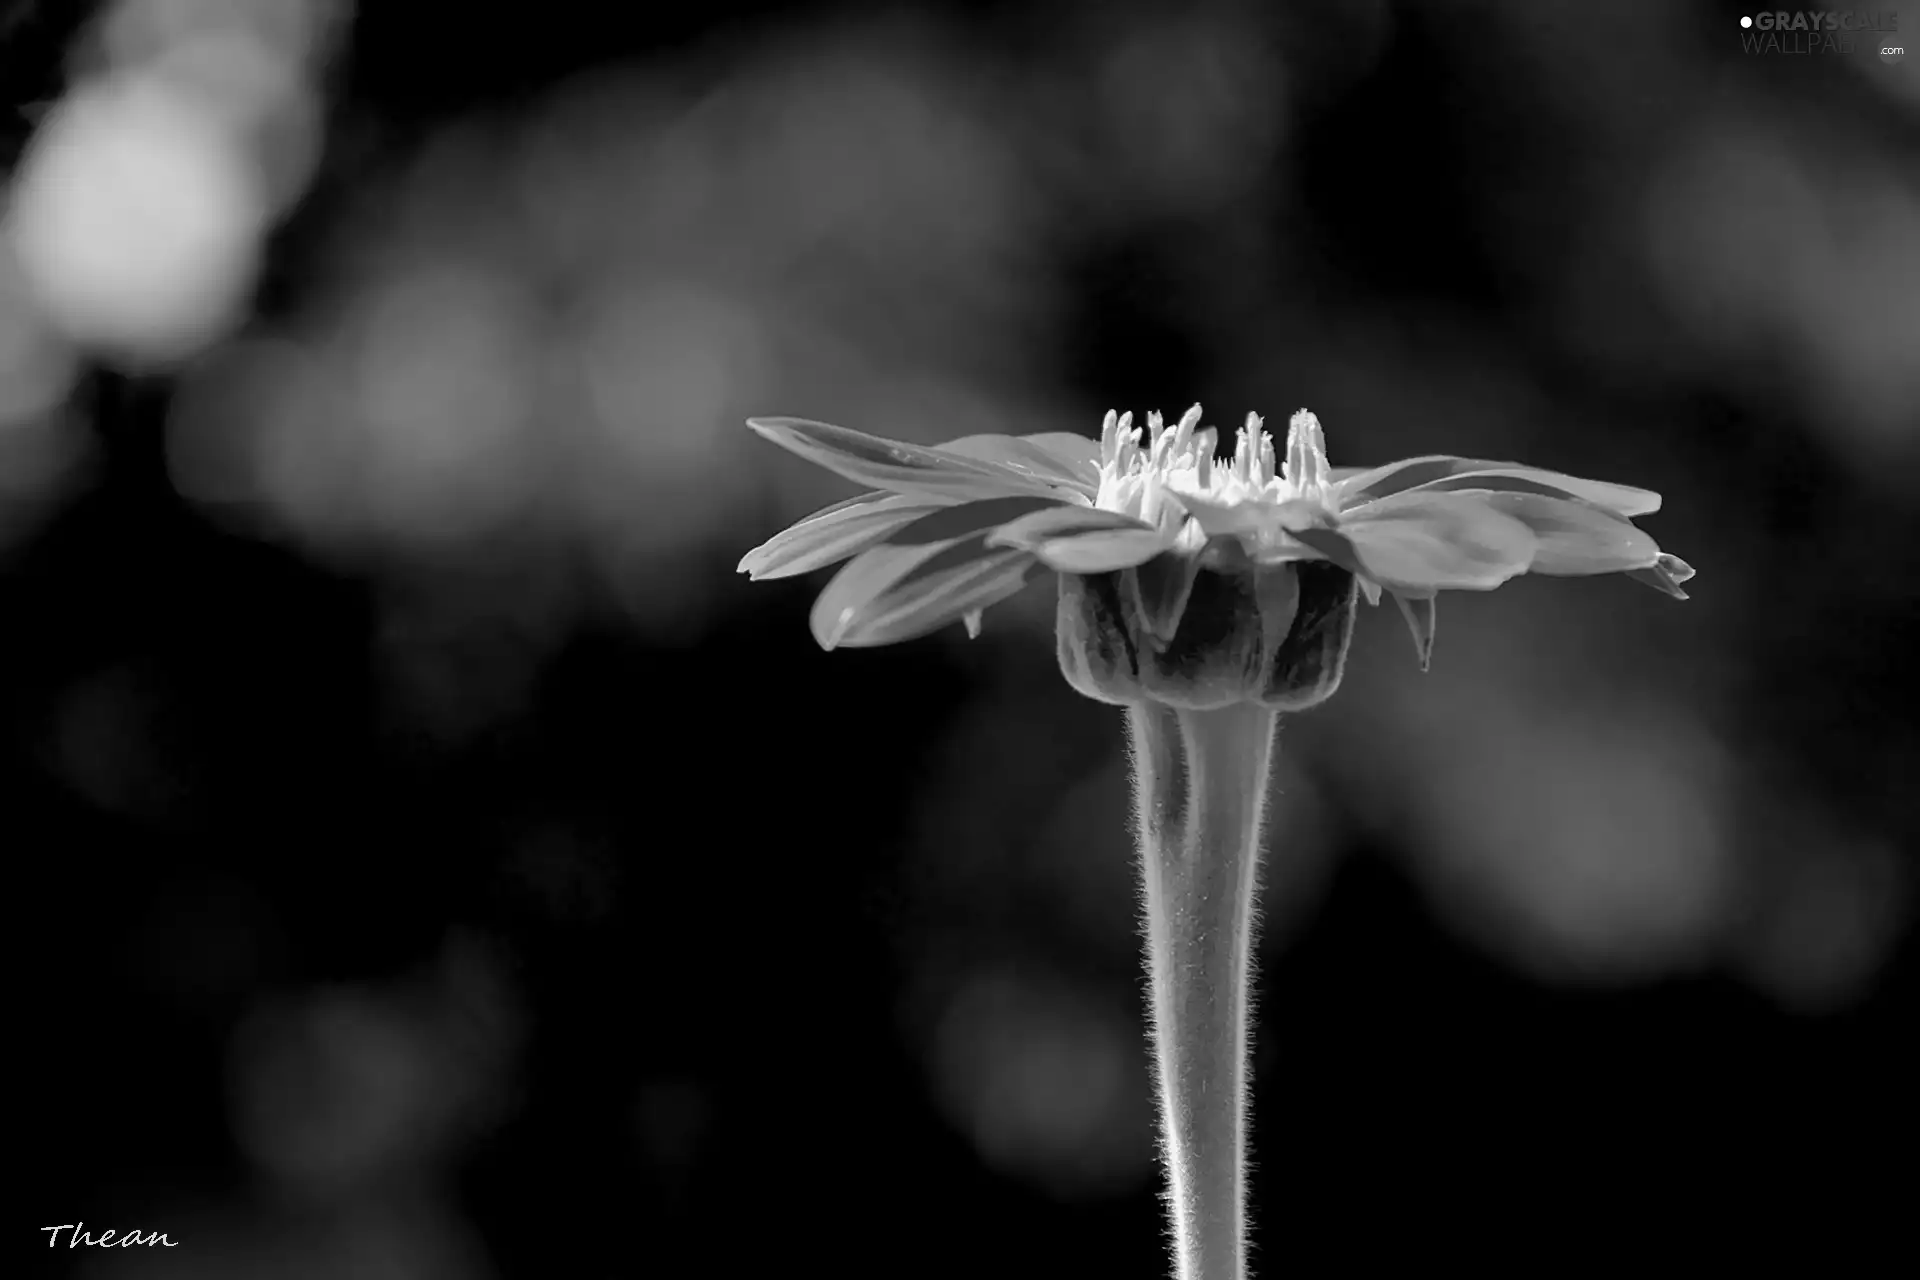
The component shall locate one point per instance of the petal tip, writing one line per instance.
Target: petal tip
(832, 635)
(1666, 575)
(1419, 614)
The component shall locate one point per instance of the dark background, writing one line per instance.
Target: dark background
(432, 861)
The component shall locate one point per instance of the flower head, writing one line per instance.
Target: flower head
(947, 532)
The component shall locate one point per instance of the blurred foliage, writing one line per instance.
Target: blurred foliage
(382, 714)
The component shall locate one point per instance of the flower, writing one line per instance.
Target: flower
(1206, 596)
(1148, 529)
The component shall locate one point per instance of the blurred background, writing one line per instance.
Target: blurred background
(435, 862)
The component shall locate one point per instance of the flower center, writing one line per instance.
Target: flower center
(1143, 477)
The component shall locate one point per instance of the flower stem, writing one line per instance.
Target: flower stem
(1199, 831)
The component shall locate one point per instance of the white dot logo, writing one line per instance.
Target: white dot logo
(1746, 22)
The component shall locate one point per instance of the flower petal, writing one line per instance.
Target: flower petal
(888, 593)
(1666, 574)
(847, 504)
(1334, 546)
(1161, 587)
(1574, 537)
(1440, 471)
(1087, 539)
(1435, 541)
(1093, 540)
(892, 464)
(943, 524)
(1101, 551)
(1220, 517)
(1619, 499)
(832, 534)
(1082, 453)
(1055, 458)
(1418, 611)
(1358, 488)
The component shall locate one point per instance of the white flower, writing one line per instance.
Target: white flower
(951, 530)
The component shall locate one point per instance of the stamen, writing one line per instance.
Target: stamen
(1306, 452)
(1150, 497)
(1162, 449)
(1203, 444)
(1183, 434)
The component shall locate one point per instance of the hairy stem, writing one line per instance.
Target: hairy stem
(1200, 785)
